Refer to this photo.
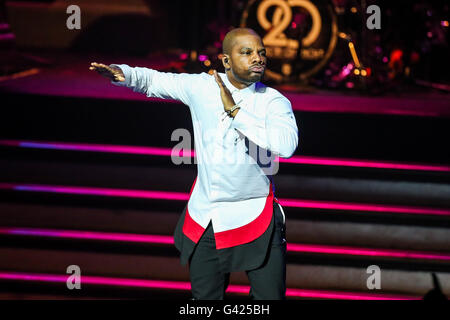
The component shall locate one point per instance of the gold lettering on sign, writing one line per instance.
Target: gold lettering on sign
(286, 44)
(312, 54)
(278, 45)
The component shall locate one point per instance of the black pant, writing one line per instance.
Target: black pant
(267, 282)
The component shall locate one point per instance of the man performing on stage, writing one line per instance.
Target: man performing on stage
(232, 221)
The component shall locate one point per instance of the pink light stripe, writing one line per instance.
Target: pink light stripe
(152, 151)
(347, 206)
(322, 294)
(167, 195)
(324, 249)
(363, 163)
(143, 194)
(168, 240)
(182, 285)
(89, 235)
(97, 280)
(155, 151)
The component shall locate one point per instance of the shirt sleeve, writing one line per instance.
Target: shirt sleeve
(153, 83)
(276, 132)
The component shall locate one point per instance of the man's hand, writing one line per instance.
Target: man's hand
(225, 94)
(115, 74)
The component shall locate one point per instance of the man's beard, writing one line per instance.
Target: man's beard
(253, 77)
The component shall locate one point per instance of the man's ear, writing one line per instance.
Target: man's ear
(226, 62)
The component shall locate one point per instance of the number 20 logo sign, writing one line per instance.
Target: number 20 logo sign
(299, 35)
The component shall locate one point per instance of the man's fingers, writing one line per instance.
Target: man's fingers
(95, 64)
(216, 76)
(99, 67)
(107, 71)
(218, 79)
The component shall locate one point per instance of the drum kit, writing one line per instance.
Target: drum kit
(331, 44)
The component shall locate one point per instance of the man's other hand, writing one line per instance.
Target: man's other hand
(227, 98)
(115, 74)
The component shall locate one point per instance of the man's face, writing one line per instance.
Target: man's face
(247, 59)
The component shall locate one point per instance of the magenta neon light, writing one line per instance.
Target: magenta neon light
(168, 195)
(168, 240)
(182, 285)
(143, 194)
(368, 207)
(364, 163)
(97, 280)
(325, 249)
(325, 294)
(151, 151)
(88, 235)
(155, 151)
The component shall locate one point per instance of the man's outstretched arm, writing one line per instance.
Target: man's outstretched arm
(165, 85)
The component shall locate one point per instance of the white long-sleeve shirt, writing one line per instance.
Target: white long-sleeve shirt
(234, 156)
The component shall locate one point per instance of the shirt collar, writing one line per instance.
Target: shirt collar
(232, 88)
